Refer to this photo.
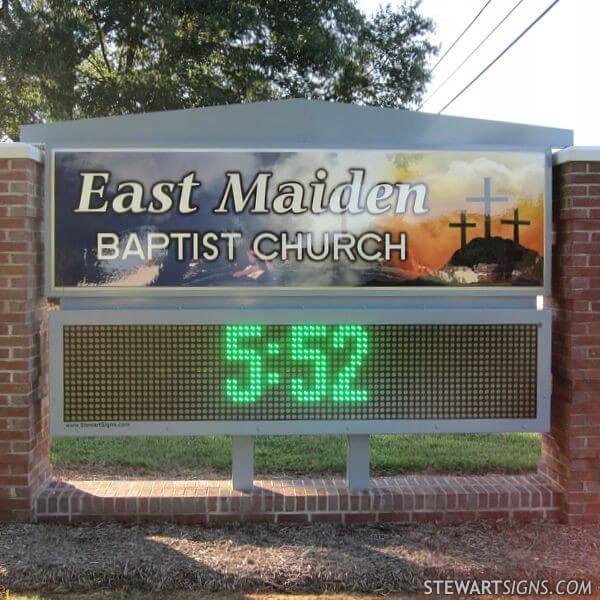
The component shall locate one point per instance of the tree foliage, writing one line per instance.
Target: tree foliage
(69, 59)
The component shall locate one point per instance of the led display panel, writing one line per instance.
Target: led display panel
(287, 372)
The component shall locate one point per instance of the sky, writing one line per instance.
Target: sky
(550, 77)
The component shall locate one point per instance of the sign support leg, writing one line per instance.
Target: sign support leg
(242, 462)
(357, 463)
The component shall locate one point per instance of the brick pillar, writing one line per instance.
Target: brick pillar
(24, 436)
(571, 452)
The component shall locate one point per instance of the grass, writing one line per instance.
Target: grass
(463, 454)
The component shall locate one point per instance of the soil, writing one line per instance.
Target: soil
(325, 558)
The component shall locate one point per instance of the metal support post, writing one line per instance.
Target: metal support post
(242, 462)
(357, 465)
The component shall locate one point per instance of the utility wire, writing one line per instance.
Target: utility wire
(539, 18)
(460, 36)
(483, 41)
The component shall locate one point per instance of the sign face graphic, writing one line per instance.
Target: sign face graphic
(158, 221)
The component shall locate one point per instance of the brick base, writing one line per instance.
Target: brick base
(571, 451)
(400, 499)
(24, 435)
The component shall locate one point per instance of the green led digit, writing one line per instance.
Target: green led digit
(342, 388)
(300, 334)
(235, 351)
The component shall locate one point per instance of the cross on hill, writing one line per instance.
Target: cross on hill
(515, 223)
(463, 227)
(487, 200)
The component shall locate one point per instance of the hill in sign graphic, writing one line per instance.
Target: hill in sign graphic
(492, 260)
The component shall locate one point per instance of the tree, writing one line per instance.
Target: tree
(69, 59)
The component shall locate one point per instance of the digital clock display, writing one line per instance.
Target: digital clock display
(335, 355)
(254, 372)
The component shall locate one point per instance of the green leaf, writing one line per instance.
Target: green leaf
(70, 59)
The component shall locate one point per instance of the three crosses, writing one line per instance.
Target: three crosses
(487, 200)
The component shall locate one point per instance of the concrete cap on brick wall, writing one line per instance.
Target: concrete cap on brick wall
(21, 150)
(577, 154)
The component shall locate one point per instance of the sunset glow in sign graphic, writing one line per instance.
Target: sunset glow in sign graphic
(130, 219)
(453, 177)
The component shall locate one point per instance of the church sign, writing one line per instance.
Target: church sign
(297, 267)
(257, 238)
(155, 222)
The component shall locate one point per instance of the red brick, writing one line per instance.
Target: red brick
(567, 454)
(170, 508)
(574, 167)
(585, 178)
(528, 515)
(573, 190)
(22, 304)
(292, 518)
(190, 519)
(224, 518)
(329, 517)
(456, 516)
(360, 517)
(493, 515)
(403, 517)
(421, 516)
(18, 164)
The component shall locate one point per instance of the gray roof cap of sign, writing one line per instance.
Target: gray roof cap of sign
(295, 124)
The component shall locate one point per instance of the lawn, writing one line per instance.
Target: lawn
(462, 454)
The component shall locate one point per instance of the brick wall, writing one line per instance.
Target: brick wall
(412, 498)
(24, 437)
(571, 452)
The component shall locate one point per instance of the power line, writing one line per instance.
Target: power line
(539, 18)
(483, 41)
(460, 36)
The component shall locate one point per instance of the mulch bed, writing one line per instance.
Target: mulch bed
(319, 558)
